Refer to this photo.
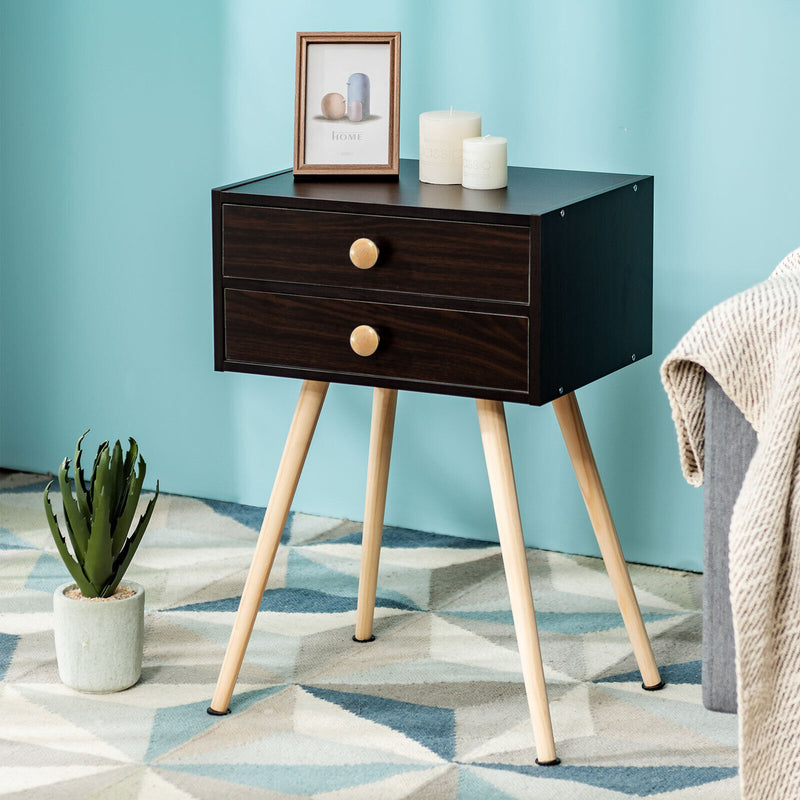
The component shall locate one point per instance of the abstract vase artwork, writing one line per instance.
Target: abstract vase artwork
(358, 96)
(356, 107)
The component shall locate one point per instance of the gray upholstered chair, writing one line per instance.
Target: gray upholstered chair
(730, 443)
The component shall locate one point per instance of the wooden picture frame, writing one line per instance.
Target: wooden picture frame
(347, 105)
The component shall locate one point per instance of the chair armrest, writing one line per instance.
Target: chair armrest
(730, 442)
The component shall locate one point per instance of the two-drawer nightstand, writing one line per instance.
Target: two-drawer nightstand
(521, 294)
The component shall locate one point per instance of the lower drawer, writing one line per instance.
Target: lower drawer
(434, 346)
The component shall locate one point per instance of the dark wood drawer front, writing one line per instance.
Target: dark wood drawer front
(432, 257)
(435, 346)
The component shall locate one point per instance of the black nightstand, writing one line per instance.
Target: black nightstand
(521, 294)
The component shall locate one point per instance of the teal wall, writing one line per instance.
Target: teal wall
(119, 117)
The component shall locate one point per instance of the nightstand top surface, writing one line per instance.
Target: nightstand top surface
(530, 192)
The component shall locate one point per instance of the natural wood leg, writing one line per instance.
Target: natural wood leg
(309, 405)
(494, 434)
(580, 452)
(384, 403)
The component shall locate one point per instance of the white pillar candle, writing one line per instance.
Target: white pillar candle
(485, 163)
(440, 137)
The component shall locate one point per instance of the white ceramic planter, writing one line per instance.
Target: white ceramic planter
(99, 642)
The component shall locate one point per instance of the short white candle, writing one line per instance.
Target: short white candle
(440, 137)
(485, 163)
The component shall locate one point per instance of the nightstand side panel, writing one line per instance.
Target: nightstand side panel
(596, 287)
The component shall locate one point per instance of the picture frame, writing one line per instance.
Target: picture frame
(347, 105)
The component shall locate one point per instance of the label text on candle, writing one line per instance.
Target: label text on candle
(477, 164)
(434, 152)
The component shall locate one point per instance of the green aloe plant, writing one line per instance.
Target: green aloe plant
(98, 519)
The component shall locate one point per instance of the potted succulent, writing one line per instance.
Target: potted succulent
(98, 622)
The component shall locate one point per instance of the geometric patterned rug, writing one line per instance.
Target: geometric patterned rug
(433, 708)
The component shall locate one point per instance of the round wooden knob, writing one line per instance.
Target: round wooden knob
(364, 253)
(364, 340)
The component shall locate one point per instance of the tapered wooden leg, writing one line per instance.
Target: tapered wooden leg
(309, 405)
(494, 434)
(384, 403)
(580, 452)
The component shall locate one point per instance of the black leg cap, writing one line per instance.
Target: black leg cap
(654, 688)
(215, 713)
(364, 641)
(552, 763)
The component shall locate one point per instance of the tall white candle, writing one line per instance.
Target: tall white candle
(485, 163)
(440, 137)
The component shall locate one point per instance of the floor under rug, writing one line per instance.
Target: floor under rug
(433, 708)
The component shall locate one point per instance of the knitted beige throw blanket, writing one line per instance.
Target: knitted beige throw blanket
(751, 345)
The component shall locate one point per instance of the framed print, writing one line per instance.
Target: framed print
(347, 105)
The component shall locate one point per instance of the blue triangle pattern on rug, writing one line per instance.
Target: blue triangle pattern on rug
(687, 672)
(590, 622)
(635, 781)
(249, 516)
(556, 622)
(10, 542)
(176, 725)
(402, 538)
(302, 572)
(305, 780)
(503, 617)
(471, 786)
(127, 728)
(241, 702)
(8, 645)
(296, 601)
(47, 574)
(431, 726)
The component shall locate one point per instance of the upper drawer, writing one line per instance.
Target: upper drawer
(449, 259)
